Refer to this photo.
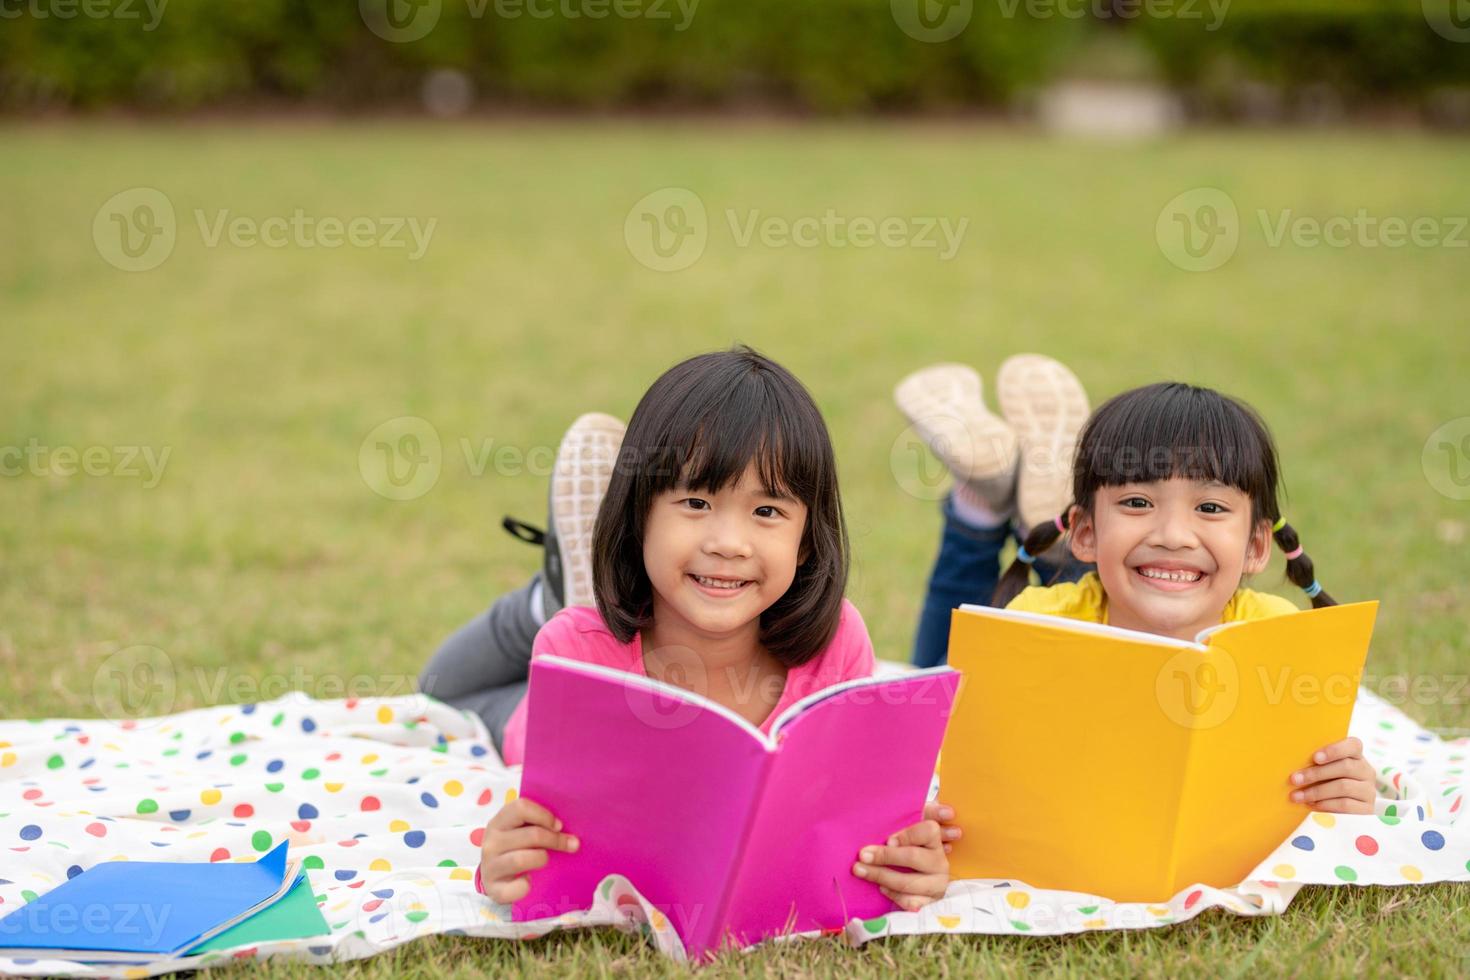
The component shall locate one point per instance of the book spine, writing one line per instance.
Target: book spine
(712, 936)
(1179, 843)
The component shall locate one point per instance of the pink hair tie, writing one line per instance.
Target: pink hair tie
(1294, 554)
(1061, 528)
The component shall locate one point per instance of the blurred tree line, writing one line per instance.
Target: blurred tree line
(1226, 57)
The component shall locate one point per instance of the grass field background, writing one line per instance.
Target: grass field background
(262, 552)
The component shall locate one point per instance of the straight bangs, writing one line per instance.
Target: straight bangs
(711, 443)
(1170, 429)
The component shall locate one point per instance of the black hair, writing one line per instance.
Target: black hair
(1166, 430)
(700, 425)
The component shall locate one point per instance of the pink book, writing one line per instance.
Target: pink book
(732, 834)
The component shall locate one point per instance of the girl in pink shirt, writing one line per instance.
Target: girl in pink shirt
(719, 564)
(579, 633)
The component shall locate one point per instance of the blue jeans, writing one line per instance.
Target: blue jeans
(967, 569)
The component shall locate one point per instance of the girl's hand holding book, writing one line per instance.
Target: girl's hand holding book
(913, 868)
(516, 841)
(1342, 781)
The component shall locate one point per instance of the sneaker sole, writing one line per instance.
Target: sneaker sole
(1047, 406)
(945, 405)
(584, 465)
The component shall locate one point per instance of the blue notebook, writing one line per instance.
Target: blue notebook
(141, 911)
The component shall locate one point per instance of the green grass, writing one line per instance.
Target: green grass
(262, 549)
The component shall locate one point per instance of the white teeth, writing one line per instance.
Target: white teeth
(1170, 576)
(714, 583)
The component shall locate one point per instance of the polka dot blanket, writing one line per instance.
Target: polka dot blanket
(385, 801)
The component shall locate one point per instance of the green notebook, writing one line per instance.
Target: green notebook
(293, 917)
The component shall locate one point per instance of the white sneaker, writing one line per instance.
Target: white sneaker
(1047, 406)
(944, 404)
(584, 465)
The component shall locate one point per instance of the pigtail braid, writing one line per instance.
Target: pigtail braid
(1298, 566)
(1037, 541)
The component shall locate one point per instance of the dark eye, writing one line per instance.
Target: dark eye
(1215, 508)
(1130, 503)
(766, 510)
(696, 503)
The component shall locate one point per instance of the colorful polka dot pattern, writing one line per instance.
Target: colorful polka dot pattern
(385, 800)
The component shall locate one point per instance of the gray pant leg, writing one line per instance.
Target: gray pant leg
(491, 650)
(484, 664)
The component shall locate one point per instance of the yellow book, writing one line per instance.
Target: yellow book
(1127, 765)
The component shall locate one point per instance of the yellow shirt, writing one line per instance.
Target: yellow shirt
(1086, 600)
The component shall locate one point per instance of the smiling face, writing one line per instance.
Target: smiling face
(1170, 553)
(716, 561)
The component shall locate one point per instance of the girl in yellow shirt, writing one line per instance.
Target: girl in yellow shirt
(1171, 494)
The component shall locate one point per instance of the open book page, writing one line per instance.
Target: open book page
(623, 761)
(1058, 756)
(1266, 695)
(852, 769)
